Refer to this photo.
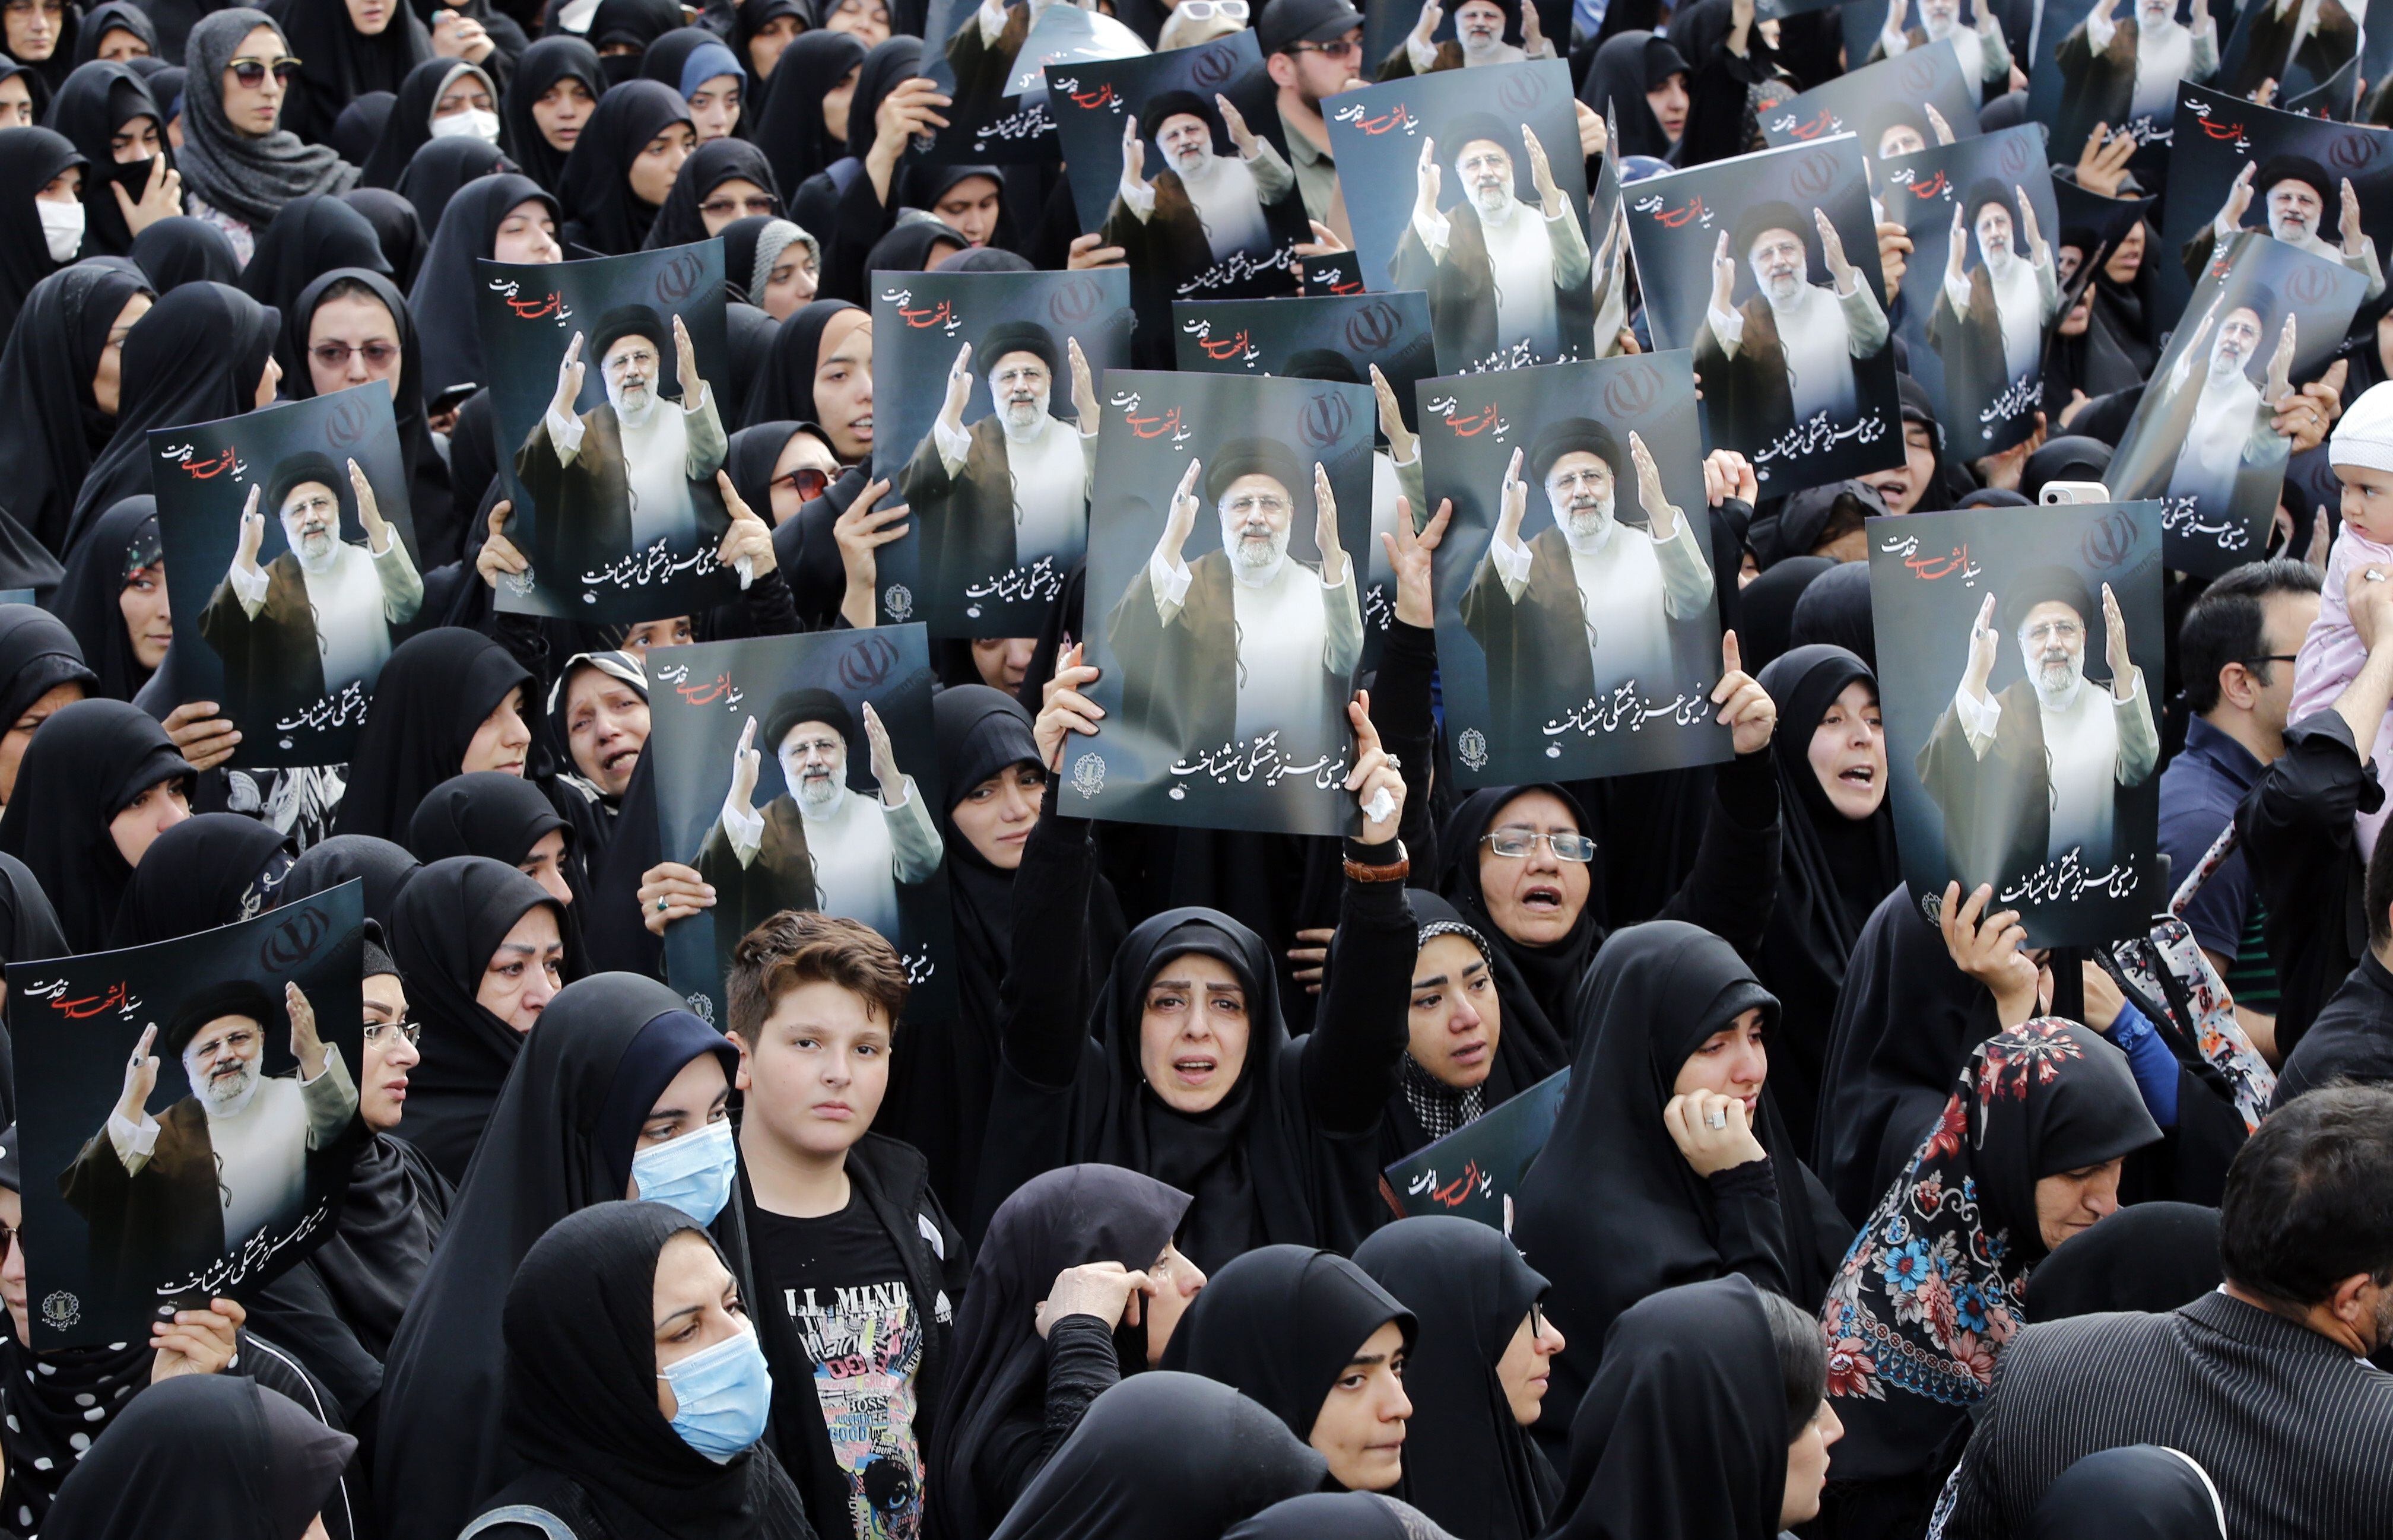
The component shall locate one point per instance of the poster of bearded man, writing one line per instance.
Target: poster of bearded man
(1898, 106)
(2019, 653)
(2214, 430)
(2116, 65)
(188, 1114)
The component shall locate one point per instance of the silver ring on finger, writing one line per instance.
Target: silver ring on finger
(1716, 1118)
(663, 905)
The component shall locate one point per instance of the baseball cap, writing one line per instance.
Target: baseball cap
(1291, 21)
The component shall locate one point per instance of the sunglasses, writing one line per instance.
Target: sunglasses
(1343, 48)
(250, 74)
(808, 484)
(1205, 10)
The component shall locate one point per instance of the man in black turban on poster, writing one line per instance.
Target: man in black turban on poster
(2039, 770)
(2292, 191)
(1787, 355)
(1507, 278)
(1988, 321)
(1205, 206)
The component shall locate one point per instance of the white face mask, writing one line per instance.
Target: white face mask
(61, 227)
(473, 123)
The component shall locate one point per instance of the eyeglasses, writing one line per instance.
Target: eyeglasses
(336, 354)
(1344, 47)
(1520, 843)
(250, 74)
(1536, 1318)
(2270, 658)
(807, 483)
(1205, 10)
(732, 208)
(9, 1234)
(411, 1031)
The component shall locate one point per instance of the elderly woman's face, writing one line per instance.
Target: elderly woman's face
(253, 92)
(1537, 897)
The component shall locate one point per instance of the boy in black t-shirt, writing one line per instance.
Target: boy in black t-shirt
(855, 1268)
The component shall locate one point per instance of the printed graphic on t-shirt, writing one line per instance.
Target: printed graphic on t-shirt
(866, 1344)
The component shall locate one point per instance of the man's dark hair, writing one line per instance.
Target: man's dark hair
(2224, 625)
(802, 946)
(2310, 1197)
(1802, 1359)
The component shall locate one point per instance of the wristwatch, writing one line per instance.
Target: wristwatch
(1394, 871)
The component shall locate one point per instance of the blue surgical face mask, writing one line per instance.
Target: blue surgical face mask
(693, 1172)
(725, 1395)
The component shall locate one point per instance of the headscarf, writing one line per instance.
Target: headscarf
(209, 870)
(61, 60)
(248, 178)
(639, 22)
(440, 168)
(38, 655)
(54, 425)
(216, 1454)
(906, 248)
(338, 64)
(88, 762)
(1657, 991)
(1534, 983)
(550, 1150)
(113, 16)
(1935, 1284)
(595, 184)
(383, 867)
(353, 134)
(1683, 1431)
(434, 692)
(1471, 1467)
(2140, 1491)
(1627, 66)
(35, 83)
(625, 668)
(410, 128)
(2149, 1257)
(1766, 609)
(581, 1401)
(1835, 608)
(429, 504)
(30, 159)
(542, 66)
(886, 67)
(750, 245)
(310, 237)
(97, 100)
(688, 57)
(1832, 872)
(678, 221)
(1279, 1323)
(1339, 1516)
(1165, 1457)
(502, 816)
(396, 229)
(443, 296)
(446, 923)
(1067, 1218)
(1527, 1049)
(747, 336)
(1904, 1025)
(2071, 457)
(196, 356)
(785, 391)
(996, 259)
(179, 250)
(791, 131)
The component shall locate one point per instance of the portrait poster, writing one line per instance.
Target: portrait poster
(1866, 33)
(188, 1115)
(288, 589)
(1387, 24)
(1896, 105)
(2304, 47)
(2266, 314)
(2086, 71)
(1332, 339)
(773, 782)
(1472, 1172)
(1450, 176)
(1578, 624)
(1734, 256)
(2005, 635)
(609, 434)
(998, 490)
(1179, 158)
(2238, 166)
(970, 51)
(1983, 285)
(1225, 607)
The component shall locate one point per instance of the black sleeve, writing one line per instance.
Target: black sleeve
(1717, 98)
(766, 609)
(861, 220)
(1360, 1032)
(1080, 1367)
(527, 644)
(1734, 880)
(1041, 1019)
(1752, 1232)
(807, 554)
(1400, 708)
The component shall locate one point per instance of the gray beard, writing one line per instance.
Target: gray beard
(2055, 697)
(230, 1099)
(1480, 50)
(1585, 526)
(631, 416)
(1257, 563)
(1033, 420)
(1194, 167)
(816, 796)
(2224, 368)
(1492, 202)
(317, 565)
(1794, 293)
(1999, 258)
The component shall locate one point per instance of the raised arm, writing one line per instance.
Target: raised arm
(1358, 1035)
(1042, 1020)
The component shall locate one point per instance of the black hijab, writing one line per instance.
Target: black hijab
(402, 235)
(581, 1401)
(443, 295)
(1627, 66)
(548, 1150)
(216, 1454)
(338, 64)
(54, 426)
(542, 66)
(752, 16)
(1165, 1457)
(383, 867)
(410, 127)
(30, 158)
(442, 168)
(2139, 1491)
(113, 15)
(37, 86)
(1766, 609)
(310, 237)
(1339, 1516)
(1066, 1217)
(1534, 983)
(1832, 872)
(785, 391)
(208, 870)
(1904, 1025)
(1657, 991)
(434, 692)
(55, 69)
(1683, 1431)
(429, 507)
(180, 250)
(2071, 457)
(791, 131)
(445, 924)
(595, 187)
(38, 655)
(638, 22)
(678, 221)
(1527, 1050)
(97, 100)
(353, 134)
(1279, 1323)
(88, 762)
(1469, 1464)
(1835, 608)
(2148, 1257)
(906, 248)
(748, 335)
(502, 816)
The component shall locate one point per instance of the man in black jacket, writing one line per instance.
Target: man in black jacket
(2352, 1038)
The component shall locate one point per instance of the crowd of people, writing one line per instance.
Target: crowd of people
(1849, 1224)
